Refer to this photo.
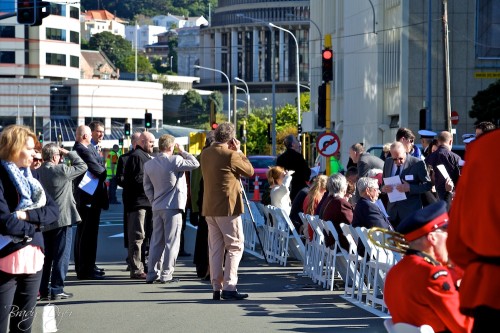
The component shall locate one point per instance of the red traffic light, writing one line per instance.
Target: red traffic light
(214, 126)
(327, 54)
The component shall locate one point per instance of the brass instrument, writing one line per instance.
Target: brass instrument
(388, 239)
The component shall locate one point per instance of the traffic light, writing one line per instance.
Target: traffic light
(422, 119)
(40, 138)
(127, 129)
(322, 105)
(269, 136)
(213, 113)
(299, 128)
(148, 120)
(120, 142)
(26, 12)
(32, 12)
(327, 64)
(214, 125)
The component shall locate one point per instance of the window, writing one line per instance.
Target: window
(74, 61)
(55, 34)
(55, 59)
(56, 9)
(7, 57)
(74, 37)
(7, 31)
(74, 12)
(488, 23)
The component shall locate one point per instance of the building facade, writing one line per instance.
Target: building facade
(393, 59)
(239, 42)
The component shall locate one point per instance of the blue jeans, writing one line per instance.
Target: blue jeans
(57, 254)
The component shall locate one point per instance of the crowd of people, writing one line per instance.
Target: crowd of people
(420, 193)
(410, 191)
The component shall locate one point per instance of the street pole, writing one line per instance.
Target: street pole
(298, 77)
(247, 92)
(447, 115)
(18, 120)
(228, 88)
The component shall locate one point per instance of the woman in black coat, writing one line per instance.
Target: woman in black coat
(24, 210)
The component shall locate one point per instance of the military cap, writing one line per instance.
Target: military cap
(468, 138)
(423, 221)
(426, 134)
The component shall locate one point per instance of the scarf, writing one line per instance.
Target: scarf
(31, 193)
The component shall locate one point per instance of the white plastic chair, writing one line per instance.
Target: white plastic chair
(406, 328)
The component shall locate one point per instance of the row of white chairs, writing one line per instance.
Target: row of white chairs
(363, 275)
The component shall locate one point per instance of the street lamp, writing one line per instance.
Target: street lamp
(314, 23)
(273, 79)
(298, 69)
(228, 88)
(18, 120)
(92, 105)
(247, 92)
(307, 87)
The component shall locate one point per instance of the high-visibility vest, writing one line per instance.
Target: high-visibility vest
(111, 161)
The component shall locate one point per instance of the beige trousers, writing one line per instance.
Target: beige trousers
(225, 240)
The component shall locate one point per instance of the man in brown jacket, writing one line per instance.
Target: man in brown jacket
(222, 164)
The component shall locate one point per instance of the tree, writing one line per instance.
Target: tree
(486, 104)
(144, 67)
(116, 48)
(216, 97)
(191, 106)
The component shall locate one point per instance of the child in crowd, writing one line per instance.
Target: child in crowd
(279, 182)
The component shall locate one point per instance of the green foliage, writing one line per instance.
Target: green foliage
(143, 65)
(486, 104)
(168, 84)
(305, 102)
(191, 101)
(116, 48)
(257, 134)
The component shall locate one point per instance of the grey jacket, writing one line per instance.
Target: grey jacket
(57, 180)
(165, 180)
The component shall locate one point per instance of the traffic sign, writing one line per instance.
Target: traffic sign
(328, 144)
(454, 117)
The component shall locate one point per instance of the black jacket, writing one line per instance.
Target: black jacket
(292, 160)
(133, 180)
(11, 226)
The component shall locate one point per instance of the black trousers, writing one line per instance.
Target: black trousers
(85, 249)
(18, 294)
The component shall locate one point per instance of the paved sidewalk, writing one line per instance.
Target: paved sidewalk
(281, 300)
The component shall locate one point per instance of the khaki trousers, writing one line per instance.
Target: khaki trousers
(225, 240)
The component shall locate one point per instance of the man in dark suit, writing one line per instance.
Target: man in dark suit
(292, 159)
(139, 208)
(364, 161)
(89, 206)
(222, 165)
(120, 168)
(415, 181)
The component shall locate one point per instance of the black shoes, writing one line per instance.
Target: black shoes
(233, 295)
(216, 296)
(90, 277)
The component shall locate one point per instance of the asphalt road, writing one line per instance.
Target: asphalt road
(281, 299)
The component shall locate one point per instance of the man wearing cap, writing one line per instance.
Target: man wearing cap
(426, 137)
(420, 289)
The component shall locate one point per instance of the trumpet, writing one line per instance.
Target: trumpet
(388, 239)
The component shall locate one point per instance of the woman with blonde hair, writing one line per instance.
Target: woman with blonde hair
(24, 209)
(314, 196)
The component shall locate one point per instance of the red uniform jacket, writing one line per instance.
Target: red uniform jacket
(418, 292)
(474, 229)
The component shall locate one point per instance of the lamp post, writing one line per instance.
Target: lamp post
(298, 69)
(228, 88)
(18, 119)
(247, 92)
(92, 105)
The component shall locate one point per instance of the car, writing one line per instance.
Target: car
(261, 164)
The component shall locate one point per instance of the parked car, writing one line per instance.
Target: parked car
(261, 164)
